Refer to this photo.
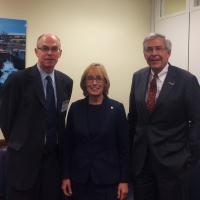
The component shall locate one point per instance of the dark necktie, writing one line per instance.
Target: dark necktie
(151, 97)
(51, 135)
(50, 97)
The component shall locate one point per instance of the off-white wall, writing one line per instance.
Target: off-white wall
(194, 39)
(106, 31)
(176, 28)
(171, 6)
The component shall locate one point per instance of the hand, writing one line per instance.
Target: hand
(66, 187)
(122, 191)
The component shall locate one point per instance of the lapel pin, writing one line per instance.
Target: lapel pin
(111, 107)
(171, 83)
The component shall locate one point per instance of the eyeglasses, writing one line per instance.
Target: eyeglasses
(46, 49)
(97, 78)
(158, 49)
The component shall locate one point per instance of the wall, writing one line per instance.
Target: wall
(171, 6)
(175, 26)
(183, 30)
(106, 31)
(194, 41)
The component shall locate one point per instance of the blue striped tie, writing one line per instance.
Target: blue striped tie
(51, 137)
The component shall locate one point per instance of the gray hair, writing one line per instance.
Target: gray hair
(151, 36)
(48, 35)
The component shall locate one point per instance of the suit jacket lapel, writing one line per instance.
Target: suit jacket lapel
(59, 90)
(85, 119)
(143, 88)
(37, 84)
(105, 109)
(168, 84)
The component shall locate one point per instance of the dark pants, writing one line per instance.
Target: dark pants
(2, 172)
(48, 184)
(195, 182)
(150, 184)
(91, 191)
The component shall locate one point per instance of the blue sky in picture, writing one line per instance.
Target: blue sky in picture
(13, 26)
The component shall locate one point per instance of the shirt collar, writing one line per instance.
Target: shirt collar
(44, 74)
(162, 73)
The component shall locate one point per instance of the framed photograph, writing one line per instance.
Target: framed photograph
(12, 47)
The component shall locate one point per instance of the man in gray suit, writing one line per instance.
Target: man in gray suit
(164, 118)
(32, 119)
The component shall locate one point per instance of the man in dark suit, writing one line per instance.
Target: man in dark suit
(164, 120)
(32, 129)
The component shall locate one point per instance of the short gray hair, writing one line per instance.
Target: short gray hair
(151, 36)
(48, 35)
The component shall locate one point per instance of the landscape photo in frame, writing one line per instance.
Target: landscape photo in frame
(12, 46)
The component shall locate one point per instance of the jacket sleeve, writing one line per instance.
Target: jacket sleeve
(132, 116)
(9, 100)
(123, 141)
(68, 144)
(192, 97)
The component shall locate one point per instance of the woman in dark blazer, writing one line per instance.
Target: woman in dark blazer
(96, 153)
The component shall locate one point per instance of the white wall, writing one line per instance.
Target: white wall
(183, 30)
(106, 31)
(175, 26)
(194, 40)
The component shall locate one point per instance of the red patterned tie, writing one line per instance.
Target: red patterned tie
(151, 98)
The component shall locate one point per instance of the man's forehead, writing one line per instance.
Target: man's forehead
(49, 42)
(155, 42)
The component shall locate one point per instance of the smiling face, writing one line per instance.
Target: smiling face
(48, 52)
(156, 53)
(95, 83)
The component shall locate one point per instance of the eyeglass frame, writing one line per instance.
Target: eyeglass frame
(156, 48)
(97, 78)
(46, 49)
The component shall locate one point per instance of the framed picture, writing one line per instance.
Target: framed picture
(12, 47)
